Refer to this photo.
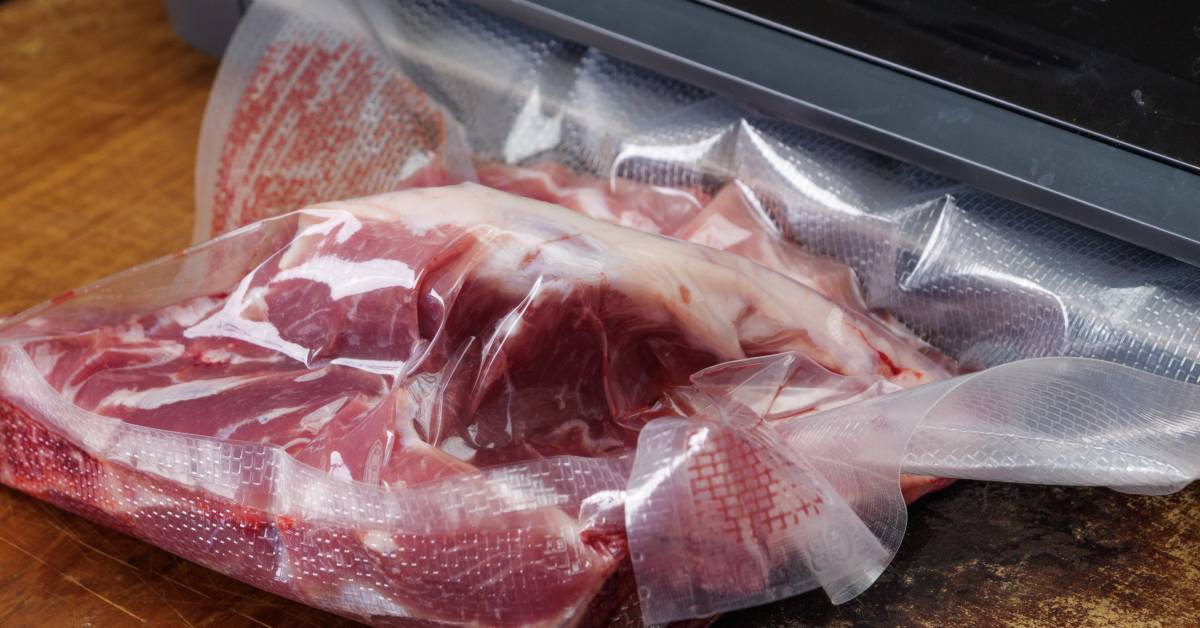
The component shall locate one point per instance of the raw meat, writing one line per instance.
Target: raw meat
(420, 405)
(730, 220)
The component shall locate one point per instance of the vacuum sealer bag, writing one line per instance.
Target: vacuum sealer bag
(458, 406)
(454, 406)
(317, 102)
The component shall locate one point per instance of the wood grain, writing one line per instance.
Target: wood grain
(100, 107)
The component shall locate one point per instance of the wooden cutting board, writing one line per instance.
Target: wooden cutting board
(100, 107)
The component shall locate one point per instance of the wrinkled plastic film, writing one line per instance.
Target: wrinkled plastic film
(256, 514)
(984, 280)
(461, 407)
(786, 505)
(1076, 422)
(419, 406)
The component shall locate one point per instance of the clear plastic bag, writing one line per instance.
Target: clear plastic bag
(423, 405)
(984, 280)
(455, 406)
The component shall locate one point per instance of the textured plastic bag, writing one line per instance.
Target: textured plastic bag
(457, 406)
(304, 111)
(733, 435)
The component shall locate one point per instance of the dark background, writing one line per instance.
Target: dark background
(1127, 71)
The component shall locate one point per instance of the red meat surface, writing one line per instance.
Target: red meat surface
(414, 409)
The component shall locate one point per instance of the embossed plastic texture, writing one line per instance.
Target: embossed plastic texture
(423, 404)
(463, 406)
(460, 406)
(321, 102)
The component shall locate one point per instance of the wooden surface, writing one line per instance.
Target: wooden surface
(100, 106)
